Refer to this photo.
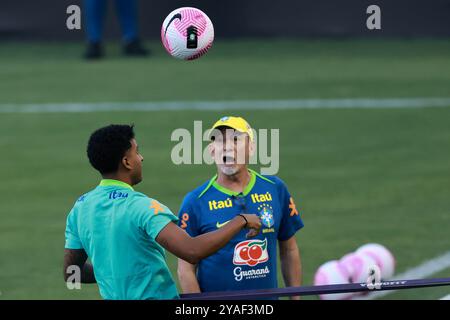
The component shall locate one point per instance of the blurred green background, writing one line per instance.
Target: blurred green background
(358, 175)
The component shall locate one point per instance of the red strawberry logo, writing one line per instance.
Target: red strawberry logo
(244, 254)
(250, 252)
(255, 252)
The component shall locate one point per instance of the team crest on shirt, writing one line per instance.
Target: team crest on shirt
(265, 212)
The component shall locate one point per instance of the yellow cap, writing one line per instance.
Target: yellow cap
(236, 123)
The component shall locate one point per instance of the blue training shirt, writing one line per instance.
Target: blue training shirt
(243, 263)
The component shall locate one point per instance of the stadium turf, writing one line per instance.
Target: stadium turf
(278, 69)
(377, 175)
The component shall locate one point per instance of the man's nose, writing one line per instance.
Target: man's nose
(228, 145)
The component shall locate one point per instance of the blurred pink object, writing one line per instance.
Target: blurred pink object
(382, 256)
(332, 273)
(357, 266)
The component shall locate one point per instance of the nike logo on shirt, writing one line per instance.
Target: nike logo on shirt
(220, 225)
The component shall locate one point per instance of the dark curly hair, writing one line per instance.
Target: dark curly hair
(108, 145)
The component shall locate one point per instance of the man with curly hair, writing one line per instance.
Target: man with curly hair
(123, 231)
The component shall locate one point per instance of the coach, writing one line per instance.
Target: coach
(242, 263)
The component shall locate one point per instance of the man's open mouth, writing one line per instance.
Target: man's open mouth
(228, 160)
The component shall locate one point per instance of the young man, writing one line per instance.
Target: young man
(241, 264)
(123, 232)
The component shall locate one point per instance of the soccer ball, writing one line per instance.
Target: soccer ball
(382, 256)
(187, 33)
(357, 265)
(332, 272)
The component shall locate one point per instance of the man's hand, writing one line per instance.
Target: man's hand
(253, 223)
(78, 257)
(193, 249)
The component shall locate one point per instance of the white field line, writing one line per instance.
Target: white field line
(447, 297)
(363, 103)
(424, 270)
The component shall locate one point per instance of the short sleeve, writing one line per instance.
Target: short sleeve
(72, 238)
(290, 220)
(153, 216)
(187, 218)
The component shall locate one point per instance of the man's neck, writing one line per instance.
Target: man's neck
(118, 177)
(236, 182)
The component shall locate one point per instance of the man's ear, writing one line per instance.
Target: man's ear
(126, 163)
(211, 149)
(251, 148)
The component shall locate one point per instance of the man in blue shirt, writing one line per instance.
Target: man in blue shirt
(242, 263)
(123, 231)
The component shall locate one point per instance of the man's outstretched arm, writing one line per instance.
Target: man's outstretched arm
(193, 249)
(78, 257)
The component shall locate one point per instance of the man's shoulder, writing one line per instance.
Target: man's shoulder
(83, 198)
(139, 195)
(98, 194)
(80, 203)
(196, 195)
(198, 192)
(272, 183)
(274, 180)
(141, 199)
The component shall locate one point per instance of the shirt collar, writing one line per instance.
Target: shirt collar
(229, 192)
(114, 183)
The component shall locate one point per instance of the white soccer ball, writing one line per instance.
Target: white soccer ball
(382, 256)
(332, 272)
(357, 266)
(187, 33)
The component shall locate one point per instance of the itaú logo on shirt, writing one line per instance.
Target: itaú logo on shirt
(117, 194)
(214, 205)
(250, 252)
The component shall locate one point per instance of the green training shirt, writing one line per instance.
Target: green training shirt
(117, 228)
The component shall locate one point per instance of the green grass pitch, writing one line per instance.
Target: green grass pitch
(376, 175)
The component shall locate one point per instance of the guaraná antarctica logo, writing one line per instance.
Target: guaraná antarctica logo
(250, 253)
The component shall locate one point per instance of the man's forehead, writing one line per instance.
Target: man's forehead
(229, 131)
